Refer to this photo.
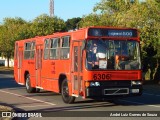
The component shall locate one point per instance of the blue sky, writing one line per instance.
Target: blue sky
(30, 9)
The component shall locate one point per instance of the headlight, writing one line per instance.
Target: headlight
(97, 84)
(136, 83)
(133, 82)
(94, 84)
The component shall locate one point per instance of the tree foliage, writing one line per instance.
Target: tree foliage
(72, 23)
(14, 29)
(141, 15)
(45, 25)
(8, 34)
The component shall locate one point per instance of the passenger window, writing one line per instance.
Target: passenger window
(46, 49)
(29, 51)
(32, 50)
(65, 48)
(54, 50)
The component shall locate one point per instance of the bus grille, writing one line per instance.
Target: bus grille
(116, 91)
(116, 83)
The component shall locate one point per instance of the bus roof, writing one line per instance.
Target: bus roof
(91, 32)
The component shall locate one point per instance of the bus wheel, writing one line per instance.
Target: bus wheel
(37, 90)
(65, 93)
(29, 89)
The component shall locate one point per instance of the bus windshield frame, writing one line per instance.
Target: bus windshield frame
(105, 54)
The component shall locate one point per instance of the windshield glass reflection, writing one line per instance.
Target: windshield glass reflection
(113, 55)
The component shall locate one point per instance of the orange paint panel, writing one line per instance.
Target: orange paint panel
(48, 73)
(112, 75)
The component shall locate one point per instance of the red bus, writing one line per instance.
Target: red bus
(93, 62)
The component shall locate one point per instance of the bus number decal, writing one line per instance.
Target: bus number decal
(53, 69)
(102, 76)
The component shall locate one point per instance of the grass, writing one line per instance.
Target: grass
(6, 109)
(3, 68)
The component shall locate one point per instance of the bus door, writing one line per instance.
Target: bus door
(76, 72)
(38, 65)
(20, 57)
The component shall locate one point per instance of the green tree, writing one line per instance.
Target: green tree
(14, 29)
(45, 25)
(8, 35)
(72, 23)
(112, 6)
(24, 32)
(105, 13)
(136, 14)
(89, 20)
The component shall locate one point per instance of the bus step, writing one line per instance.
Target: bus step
(39, 87)
(21, 83)
(75, 95)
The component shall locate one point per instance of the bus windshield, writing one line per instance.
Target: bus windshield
(113, 55)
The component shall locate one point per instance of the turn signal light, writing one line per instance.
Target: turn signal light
(87, 84)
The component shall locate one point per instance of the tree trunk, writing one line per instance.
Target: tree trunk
(157, 72)
(8, 61)
(8, 57)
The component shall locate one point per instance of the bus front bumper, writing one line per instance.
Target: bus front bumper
(111, 92)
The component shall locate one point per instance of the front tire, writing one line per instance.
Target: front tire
(65, 93)
(29, 89)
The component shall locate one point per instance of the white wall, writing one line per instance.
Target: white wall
(4, 61)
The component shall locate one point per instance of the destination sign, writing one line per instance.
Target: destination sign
(100, 32)
(120, 33)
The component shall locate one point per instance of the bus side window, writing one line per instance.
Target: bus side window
(29, 50)
(16, 51)
(46, 49)
(54, 50)
(65, 48)
(32, 50)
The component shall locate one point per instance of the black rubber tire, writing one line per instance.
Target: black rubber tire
(37, 90)
(29, 89)
(65, 93)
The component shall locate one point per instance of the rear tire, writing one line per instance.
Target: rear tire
(29, 89)
(65, 93)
